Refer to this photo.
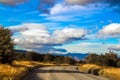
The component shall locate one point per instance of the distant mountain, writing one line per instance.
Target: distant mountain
(21, 51)
(75, 55)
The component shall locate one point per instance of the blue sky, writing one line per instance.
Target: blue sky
(63, 26)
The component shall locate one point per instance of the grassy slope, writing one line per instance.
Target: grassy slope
(109, 72)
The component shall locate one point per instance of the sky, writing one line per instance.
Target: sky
(62, 26)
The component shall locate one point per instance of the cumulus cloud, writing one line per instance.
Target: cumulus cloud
(110, 30)
(36, 36)
(69, 34)
(26, 26)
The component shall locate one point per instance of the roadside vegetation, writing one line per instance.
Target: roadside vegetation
(14, 65)
(107, 65)
(16, 71)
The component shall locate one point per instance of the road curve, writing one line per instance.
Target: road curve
(60, 73)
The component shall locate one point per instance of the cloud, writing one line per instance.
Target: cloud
(80, 2)
(69, 34)
(92, 47)
(35, 36)
(40, 5)
(61, 12)
(46, 5)
(84, 2)
(112, 3)
(110, 30)
(62, 9)
(12, 2)
(26, 26)
(115, 48)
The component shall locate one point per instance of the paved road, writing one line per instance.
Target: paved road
(60, 73)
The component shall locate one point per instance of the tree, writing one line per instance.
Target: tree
(48, 57)
(69, 60)
(118, 63)
(6, 46)
(92, 58)
(31, 55)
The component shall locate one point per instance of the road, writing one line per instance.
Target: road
(60, 73)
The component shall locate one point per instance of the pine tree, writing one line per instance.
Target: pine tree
(6, 46)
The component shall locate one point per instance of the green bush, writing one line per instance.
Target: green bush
(107, 59)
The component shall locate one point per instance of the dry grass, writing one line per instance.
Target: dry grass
(90, 68)
(109, 72)
(18, 70)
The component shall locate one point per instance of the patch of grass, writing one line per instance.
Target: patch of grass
(109, 72)
(18, 69)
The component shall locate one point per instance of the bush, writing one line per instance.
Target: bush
(107, 59)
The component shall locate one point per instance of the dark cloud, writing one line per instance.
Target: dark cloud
(42, 5)
(12, 2)
(84, 2)
(80, 2)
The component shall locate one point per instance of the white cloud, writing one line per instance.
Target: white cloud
(91, 47)
(26, 26)
(115, 48)
(111, 30)
(62, 12)
(69, 33)
(64, 9)
(36, 36)
(61, 8)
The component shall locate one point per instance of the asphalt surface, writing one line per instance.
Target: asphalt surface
(60, 73)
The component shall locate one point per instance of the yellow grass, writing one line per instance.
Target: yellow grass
(18, 70)
(112, 73)
(109, 72)
(87, 67)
